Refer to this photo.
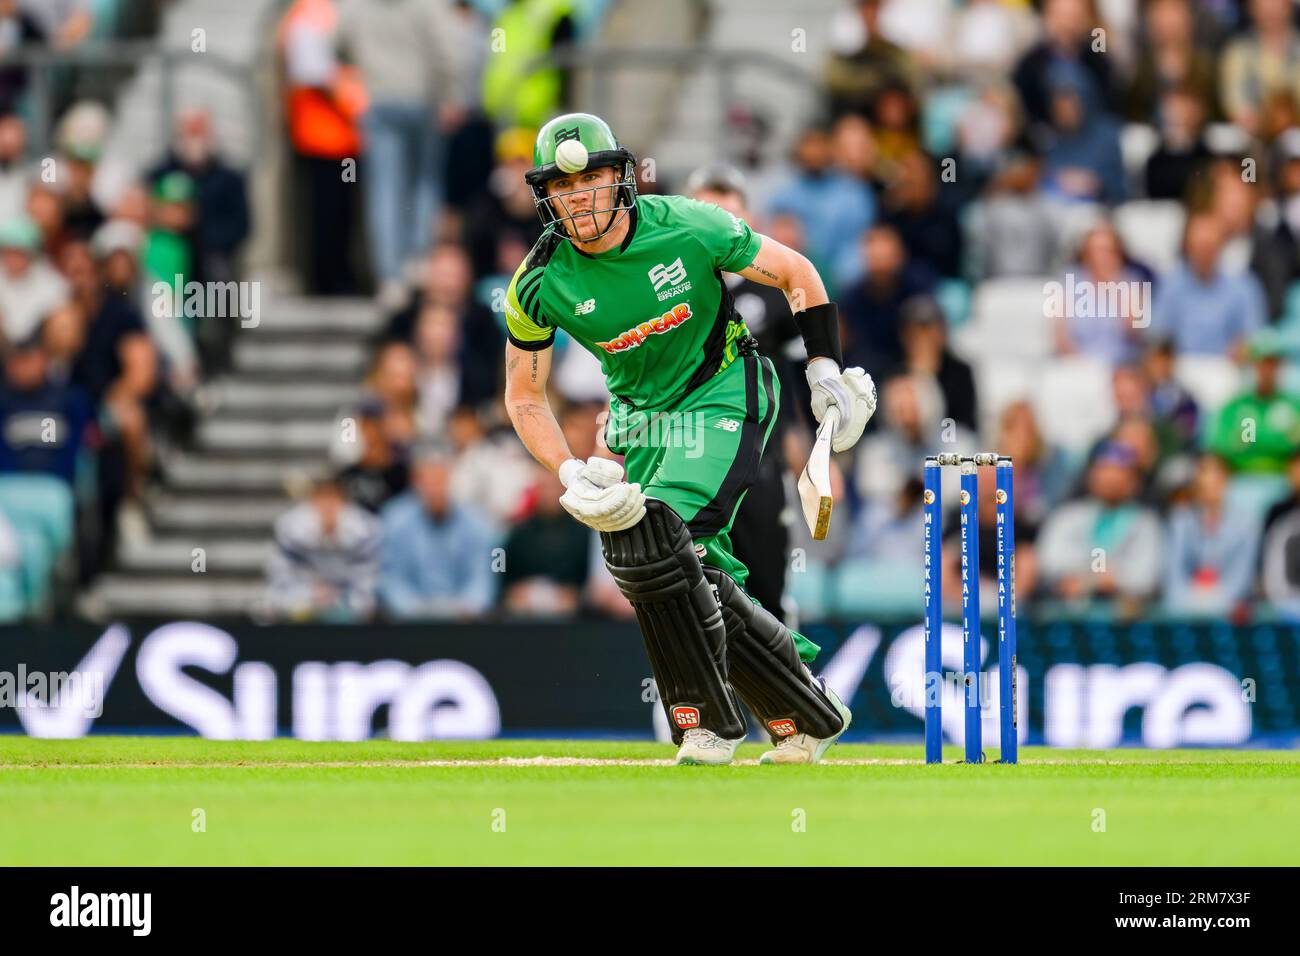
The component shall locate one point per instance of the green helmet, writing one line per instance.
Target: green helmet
(602, 149)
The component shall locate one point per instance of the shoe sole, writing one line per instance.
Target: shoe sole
(696, 762)
(845, 714)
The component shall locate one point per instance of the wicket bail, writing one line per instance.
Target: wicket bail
(970, 605)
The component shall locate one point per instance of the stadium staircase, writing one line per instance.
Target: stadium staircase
(271, 422)
(271, 417)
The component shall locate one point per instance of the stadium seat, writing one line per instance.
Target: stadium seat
(1073, 398)
(1289, 376)
(13, 599)
(1288, 324)
(40, 508)
(36, 564)
(941, 109)
(876, 588)
(1291, 305)
(953, 296)
(998, 383)
(1073, 220)
(1211, 379)
(1226, 139)
(1137, 142)
(809, 589)
(1007, 320)
(1250, 496)
(1152, 231)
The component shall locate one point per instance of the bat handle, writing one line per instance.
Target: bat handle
(830, 422)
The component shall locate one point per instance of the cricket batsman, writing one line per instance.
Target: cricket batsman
(636, 280)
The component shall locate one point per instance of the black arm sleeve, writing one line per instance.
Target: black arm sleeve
(820, 328)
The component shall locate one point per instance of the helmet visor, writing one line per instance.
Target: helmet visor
(587, 213)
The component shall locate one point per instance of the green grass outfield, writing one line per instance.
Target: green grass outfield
(130, 800)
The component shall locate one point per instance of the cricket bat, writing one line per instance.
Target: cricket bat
(815, 481)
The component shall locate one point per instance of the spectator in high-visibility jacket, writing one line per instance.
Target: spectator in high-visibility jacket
(323, 103)
(519, 88)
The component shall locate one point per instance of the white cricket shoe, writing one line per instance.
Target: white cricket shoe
(801, 748)
(700, 746)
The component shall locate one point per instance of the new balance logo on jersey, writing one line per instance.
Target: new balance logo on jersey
(670, 275)
(656, 326)
(585, 308)
(727, 424)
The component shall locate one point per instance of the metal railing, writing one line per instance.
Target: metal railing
(126, 55)
(679, 61)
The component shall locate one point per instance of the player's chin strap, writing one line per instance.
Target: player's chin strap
(658, 571)
(764, 667)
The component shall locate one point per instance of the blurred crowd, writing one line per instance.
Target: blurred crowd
(962, 148)
(968, 157)
(1088, 146)
(98, 370)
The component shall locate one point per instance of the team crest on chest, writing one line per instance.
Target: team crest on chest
(671, 275)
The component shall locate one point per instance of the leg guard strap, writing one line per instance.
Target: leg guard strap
(765, 669)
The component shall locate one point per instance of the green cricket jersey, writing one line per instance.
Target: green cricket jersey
(654, 310)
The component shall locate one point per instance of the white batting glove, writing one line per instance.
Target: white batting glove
(594, 473)
(851, 391)
(597, 495)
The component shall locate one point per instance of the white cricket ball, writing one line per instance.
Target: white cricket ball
(571, 156)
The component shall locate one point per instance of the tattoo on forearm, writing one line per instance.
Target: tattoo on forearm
(513, 362)
(530, 410)
(771, 275)
(534, 366)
